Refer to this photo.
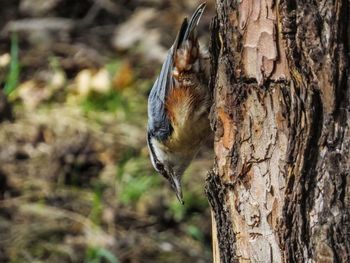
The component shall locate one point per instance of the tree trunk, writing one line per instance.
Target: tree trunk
(280, 187)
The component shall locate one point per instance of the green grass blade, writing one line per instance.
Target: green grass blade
(13, 74)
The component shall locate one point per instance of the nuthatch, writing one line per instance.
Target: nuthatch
(179, 104)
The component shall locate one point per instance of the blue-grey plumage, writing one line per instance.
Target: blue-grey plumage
(178, 105)
(158, 122)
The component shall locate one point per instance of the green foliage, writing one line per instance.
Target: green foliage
(134, 187)
(193, 202)
(98, 255)
(127, 155)
(110, 101)
(113, 66)
(14, 71)
(177, 210)
(97, 207)
(134, 179)
(196, 201)
(195, 232)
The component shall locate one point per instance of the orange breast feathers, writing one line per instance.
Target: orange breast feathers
(189, 118)
(179, 105)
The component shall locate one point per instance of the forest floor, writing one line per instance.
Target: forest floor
(76, 183)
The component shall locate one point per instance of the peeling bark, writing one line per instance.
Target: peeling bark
(280, 188)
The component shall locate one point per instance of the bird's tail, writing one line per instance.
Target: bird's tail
(187, 30)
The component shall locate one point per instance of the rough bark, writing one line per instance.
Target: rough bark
(280, 187)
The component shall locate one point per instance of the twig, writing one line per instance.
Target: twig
(38, 24)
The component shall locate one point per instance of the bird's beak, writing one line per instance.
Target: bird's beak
(177, 188)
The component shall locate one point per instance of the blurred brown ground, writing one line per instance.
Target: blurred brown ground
(76, 184)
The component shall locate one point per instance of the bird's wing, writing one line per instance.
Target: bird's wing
(159, 124)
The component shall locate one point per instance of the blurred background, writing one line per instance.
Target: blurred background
(76, 183)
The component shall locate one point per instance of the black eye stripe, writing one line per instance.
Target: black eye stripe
(159, 165)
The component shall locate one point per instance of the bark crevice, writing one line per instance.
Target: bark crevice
(216, 192)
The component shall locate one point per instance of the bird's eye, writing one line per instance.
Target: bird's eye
(160, 167)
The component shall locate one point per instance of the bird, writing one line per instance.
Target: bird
(179, 105)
